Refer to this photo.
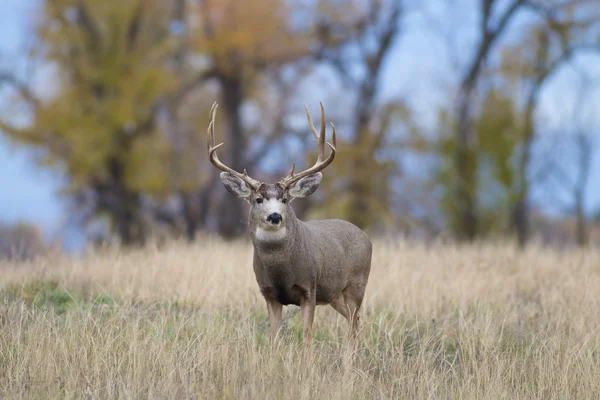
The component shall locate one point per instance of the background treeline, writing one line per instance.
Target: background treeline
(122, 109)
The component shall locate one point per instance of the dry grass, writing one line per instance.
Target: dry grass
(480, 322)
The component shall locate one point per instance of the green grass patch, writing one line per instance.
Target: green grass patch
(41, 295)
(48, 295)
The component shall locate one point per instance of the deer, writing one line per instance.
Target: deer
(295, 262)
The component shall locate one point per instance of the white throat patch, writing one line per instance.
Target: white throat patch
(266, 232)
(270, 235)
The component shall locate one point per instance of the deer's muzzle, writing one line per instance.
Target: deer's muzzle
(274, 218)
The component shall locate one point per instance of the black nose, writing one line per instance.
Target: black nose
(274, 218)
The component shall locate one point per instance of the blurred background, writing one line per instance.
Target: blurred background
(460, 120)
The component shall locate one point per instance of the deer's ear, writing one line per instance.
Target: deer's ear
(305, 186)
(235, 185)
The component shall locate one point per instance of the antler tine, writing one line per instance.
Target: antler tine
(211, 127)
(310, 123)
(319, 137)
(212, 154)
(321, 143)
(321, 163)
(333, 136)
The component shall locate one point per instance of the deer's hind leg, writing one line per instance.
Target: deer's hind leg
(353, 297)
(339, 305)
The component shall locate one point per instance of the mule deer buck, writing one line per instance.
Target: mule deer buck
(296, 262)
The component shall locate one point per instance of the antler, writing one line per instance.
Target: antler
(212, 152)
(321, 163)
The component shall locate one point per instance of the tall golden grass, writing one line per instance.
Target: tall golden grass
(445, 322)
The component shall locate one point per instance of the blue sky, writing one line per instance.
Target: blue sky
(28, 192)
(418, 69)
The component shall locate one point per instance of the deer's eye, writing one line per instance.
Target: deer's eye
(284, 200)
(259, 200)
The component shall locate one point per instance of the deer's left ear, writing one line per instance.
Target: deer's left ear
(305, 186)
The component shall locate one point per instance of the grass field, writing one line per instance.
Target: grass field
(440, 322)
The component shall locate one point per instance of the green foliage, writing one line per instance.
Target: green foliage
(358, 185)
(110, 72)
(118, 69)
(367, 206)
(109, 59)
(497, 129)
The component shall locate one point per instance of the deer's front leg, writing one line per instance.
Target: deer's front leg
(275, 310)
(307, 306)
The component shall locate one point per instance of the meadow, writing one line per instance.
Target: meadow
(442, 321)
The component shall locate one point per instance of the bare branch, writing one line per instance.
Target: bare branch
(489, 37)
(179, 95)
(21, 88)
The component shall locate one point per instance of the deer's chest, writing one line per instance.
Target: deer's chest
(283, 283)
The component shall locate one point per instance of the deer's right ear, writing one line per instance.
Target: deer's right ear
(235, 185)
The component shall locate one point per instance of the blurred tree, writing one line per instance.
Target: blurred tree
(122, 122)
(497, 129)
(573, 179)
(132, 83)
(576, 187)
(363, 171)
(564, 29)
(548, 39)
(99, 127)
(243, 45)
(239, 41)
(21, 242)
(585, 145)
(492, 25)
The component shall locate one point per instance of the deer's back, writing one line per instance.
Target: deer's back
(340, 235)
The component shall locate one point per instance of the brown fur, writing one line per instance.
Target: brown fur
(316, 263)
(297, 262)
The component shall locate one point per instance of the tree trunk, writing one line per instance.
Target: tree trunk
(465, 166)
(129, 228)
(585, 161)
(231, 218)
(582, 231)
(358, 186)
(466, 170)
(196, 208)
(124, 206)
(521, 207)
(180, 133)
(189, 216)
(520, 219)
